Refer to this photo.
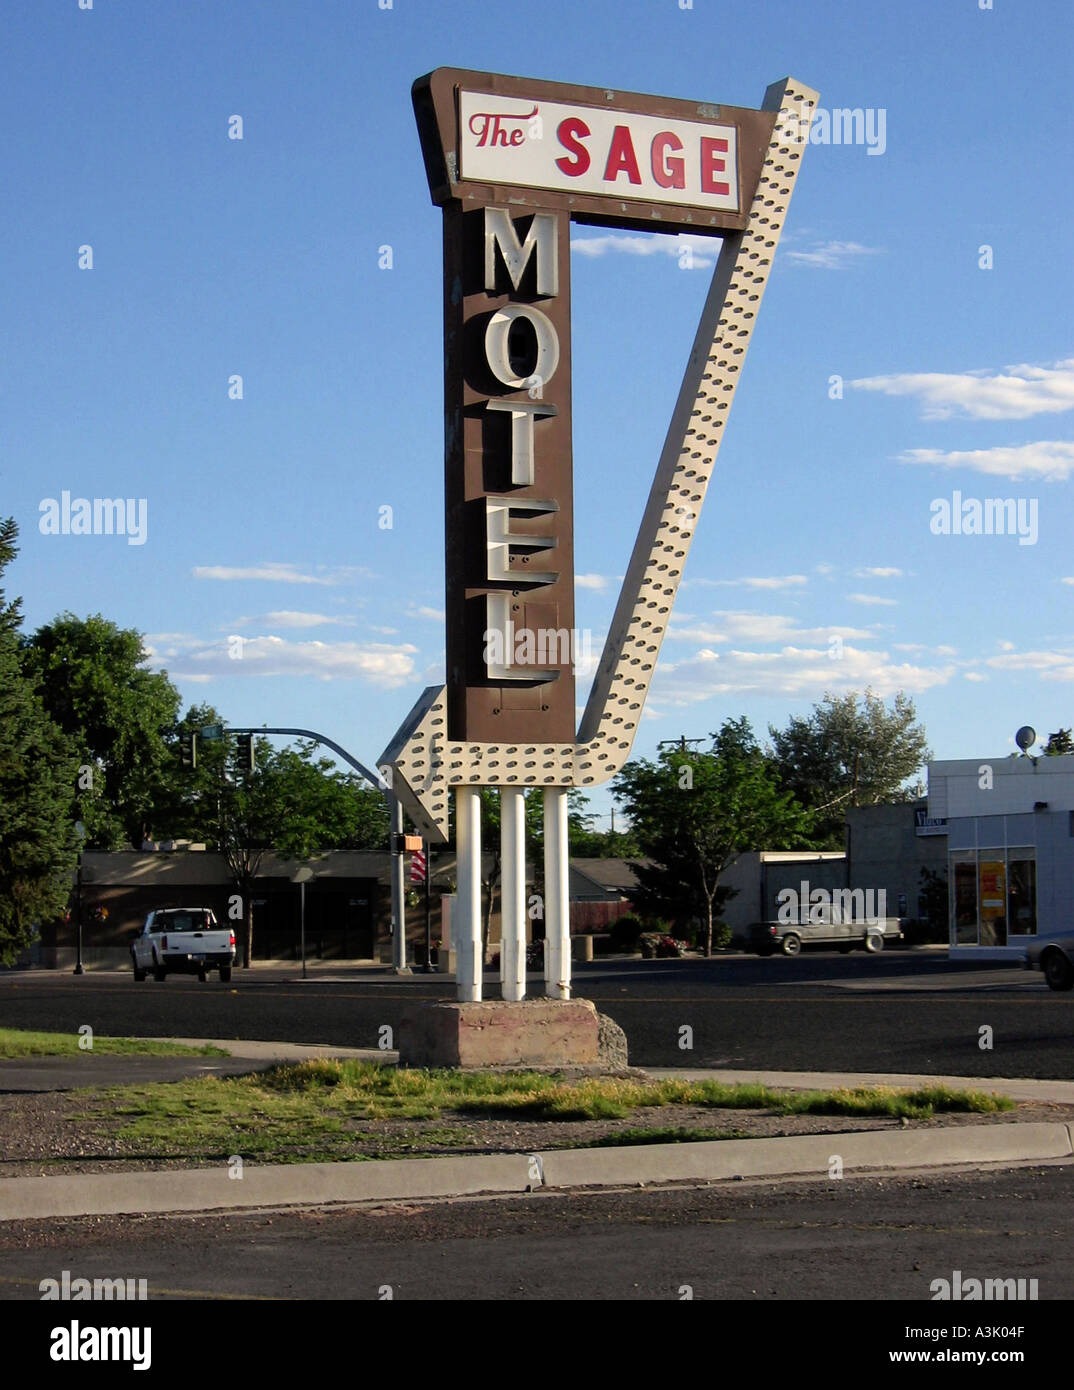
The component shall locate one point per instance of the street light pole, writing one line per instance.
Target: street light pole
(398, 889)
(428, 912)
(302, 876)
(80, 831)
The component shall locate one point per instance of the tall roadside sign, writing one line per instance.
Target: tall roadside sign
(512, 162)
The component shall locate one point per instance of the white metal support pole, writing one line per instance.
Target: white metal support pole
(513, 893)
(557, 911)
(470, 960)
(398, 889)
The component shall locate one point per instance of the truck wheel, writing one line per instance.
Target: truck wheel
(1058, 971)
(139, 975)
(225, 974)
(159, 973)
(791, 945)
(874, 942)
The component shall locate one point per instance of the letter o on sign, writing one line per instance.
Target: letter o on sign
(499, 356)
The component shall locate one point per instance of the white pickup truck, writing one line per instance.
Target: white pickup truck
(183, 941)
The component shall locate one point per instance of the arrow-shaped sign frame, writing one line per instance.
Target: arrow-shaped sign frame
(422, 764)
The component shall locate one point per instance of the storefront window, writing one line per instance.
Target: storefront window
(992, 901)
(965, 880)
(995, 896)
(1022, 895)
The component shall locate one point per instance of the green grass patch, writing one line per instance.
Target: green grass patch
(323, 1109)
(17, 1042)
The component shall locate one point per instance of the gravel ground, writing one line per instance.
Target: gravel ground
(51, 1134)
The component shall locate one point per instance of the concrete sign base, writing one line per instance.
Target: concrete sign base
(531, 1033)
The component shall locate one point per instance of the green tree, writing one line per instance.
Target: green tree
(38, 850)
(1059, 744)
(850, 751)
(117, 718)
(933, 888)
(586, 842)
(694, 813)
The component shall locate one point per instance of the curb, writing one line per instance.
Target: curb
(1017, 1088)
(319, 1184)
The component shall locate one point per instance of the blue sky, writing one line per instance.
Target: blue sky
(214, 257)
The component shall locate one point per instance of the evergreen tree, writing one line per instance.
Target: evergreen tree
(37, 780)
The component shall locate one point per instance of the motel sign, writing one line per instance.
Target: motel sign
(512, 162)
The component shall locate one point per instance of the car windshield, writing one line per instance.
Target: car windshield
(182, 921)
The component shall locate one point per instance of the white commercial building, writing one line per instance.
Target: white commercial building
(1010, 851)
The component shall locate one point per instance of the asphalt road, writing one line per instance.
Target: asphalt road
(906, 1012)
(876, 1238)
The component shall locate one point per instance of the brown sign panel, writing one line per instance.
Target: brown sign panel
(612, 158)
(508, 475)
(513, 162)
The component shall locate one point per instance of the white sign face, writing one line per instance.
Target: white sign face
(586, 149)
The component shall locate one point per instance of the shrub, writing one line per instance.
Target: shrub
(625, 932)
(721, 936)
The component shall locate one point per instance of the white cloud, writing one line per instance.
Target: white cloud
(435, 615)
(1015, 393)
(974, 676)
(376, 662)
(1045, 461)
(273, 571)
(289, 617)
(873, 599)
(785, 581)
(1048, 666)
(879, 572)
(793, 672)
(591, 581)
(767, 628)
(832, 255)
(701, 250)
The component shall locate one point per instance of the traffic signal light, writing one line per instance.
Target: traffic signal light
(188, 750)
(246, 756)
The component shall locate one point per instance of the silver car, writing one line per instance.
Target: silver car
(1055, 957)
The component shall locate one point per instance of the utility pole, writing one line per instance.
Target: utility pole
(679, 742)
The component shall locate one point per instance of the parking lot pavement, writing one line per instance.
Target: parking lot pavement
(994, 980)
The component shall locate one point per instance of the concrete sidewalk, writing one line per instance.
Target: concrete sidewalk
(222, 1188)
